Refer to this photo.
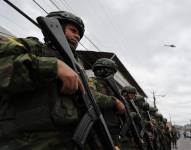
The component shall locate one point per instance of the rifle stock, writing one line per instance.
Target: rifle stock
(92, 118)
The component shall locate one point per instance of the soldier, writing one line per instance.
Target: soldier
(174, 137)
(156, 141)
(163, 132)
(168, 134)
(35, 111)
(143, 109)
(129, 93)
(110, 106)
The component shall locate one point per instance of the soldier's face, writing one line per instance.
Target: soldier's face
(72, 35)
(130, 96)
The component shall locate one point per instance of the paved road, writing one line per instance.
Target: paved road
(184, 144)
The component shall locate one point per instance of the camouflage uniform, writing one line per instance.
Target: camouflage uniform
(174, 137)
(162, 132)
(128, 141)
(143, 109)
(156, 142)
(33, 113)
(104, 95)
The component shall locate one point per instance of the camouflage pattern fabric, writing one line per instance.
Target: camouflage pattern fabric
(30, 103)
(101, 93)
(106, 101)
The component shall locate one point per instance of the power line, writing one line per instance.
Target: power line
(92, 43)
(84, 34)
(40, 6)
(55, 5)
(111, 22)
(88, 37)
(47, 13)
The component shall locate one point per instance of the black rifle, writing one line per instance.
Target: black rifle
(93, 117)
(113, 85)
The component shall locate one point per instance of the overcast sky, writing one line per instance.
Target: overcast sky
(136, 30)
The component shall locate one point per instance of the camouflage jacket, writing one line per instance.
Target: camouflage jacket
(106, 101)
(28, 88)
(102, 93)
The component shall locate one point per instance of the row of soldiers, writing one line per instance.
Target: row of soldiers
(41, 94)
(156, 133)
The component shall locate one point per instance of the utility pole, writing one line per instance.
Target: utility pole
(154, 99)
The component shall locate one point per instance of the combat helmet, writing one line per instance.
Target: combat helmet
(145, 106)
(152, 110)
(164, 120)
(104, 67)
(128, 89)
(67, 17)
(159, 116)
(139, 100)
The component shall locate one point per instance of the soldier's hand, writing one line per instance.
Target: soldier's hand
(120, 107)
(117, 148)
(70, 79)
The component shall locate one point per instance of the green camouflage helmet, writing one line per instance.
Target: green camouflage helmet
(153, 109)
(104, 63)
(158, 115)
(128, 89)
(164, 120)
(146, 106)
(139, 100)
(67, 17)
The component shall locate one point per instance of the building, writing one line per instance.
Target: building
(5, 32)
(123, 77)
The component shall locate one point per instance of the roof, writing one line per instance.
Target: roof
(5, 32)
(89, 58)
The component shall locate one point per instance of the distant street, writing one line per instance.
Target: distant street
(184, 144)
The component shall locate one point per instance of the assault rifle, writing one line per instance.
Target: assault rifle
(92, 118)
(112, 84)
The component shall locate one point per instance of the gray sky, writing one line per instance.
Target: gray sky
(136, 30)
